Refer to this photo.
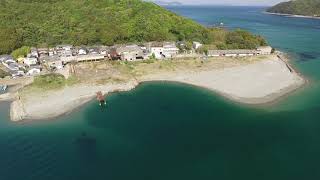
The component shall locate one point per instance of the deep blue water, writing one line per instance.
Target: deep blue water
(166, 131)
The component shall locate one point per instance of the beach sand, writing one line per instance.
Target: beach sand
(252, 83)
(293, 15)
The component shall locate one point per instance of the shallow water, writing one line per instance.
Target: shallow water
(174, 131)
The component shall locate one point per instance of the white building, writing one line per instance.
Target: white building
(65, 47)
(17, 73)
(264, 50)
(196, 45)
(130, 52)
(30, 61)
(33, 71)
(164, 50)
(33, 53)
(170, 49)
(157, 51)
(82, 51)
(104, 50)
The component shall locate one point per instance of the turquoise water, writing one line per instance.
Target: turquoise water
(174, 131)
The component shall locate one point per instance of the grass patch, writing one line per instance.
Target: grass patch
(49, 81)
(72, 80)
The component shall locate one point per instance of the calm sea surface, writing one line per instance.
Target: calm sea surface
(169, 131)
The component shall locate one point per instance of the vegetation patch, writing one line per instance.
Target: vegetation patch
(21, 52)
(3, 73)
(49, 81)
(88, 22)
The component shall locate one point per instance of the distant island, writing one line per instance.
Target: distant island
(309, 8)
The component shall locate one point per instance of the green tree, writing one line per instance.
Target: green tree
(21, 52)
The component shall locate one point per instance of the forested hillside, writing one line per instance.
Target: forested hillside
(86, 22)
(298, 7)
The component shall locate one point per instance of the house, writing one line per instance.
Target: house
(196, 45)
(12, 66)
(104, 50)
(8, 61)
(130, 52)
(170, 49)
(232, 53)
(52, 52)
(65, 47)
(82, 51)
(17, 73)
(5, 57)
(67, 57)
(64, 50)
(43, 52)
(20, 59)
(54, 62)
(94, 50)
(33, 53)
(33, 71)
(163, 50)
(264, 50)
(156, 49)
(89, 57)
(30, 61)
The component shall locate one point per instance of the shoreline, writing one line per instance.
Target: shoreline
(234, 83)
(292, 15)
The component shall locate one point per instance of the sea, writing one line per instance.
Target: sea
(172, 131)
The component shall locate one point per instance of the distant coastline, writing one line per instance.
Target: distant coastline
(291, 15)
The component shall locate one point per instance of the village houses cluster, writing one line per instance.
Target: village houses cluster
(56, 58)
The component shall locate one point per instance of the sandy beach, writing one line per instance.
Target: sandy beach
(293, 15)
(256, 82)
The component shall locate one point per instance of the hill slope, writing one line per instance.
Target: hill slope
(298, 7)
(85, 22)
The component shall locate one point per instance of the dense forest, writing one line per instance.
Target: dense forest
(45, 23)
(298, 7)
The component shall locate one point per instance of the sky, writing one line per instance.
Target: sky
(229, 2)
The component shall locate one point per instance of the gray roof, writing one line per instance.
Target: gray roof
(129, 48)
(5, 57)
(233, 51)
(52, 58)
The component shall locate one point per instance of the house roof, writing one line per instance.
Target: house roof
(264, 48)
(52, 58)
(5, 57)
(233, 51)
(129, 48)
(164, 44)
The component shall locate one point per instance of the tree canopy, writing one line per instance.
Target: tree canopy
(87, 22)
